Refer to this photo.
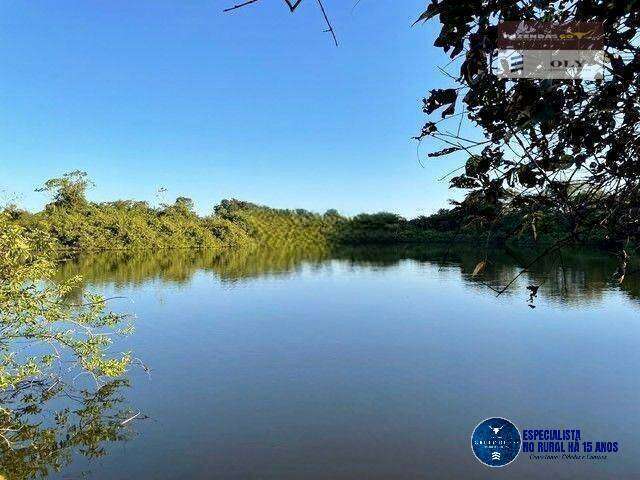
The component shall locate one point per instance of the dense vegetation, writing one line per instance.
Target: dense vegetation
(445, 226)
(50, 348)
(76, 224)
(548, 147)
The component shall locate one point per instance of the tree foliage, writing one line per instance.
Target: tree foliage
(135, 225)
(33, 308)
(82, 225)
(569, 148)
(69, 190)
(45, 339)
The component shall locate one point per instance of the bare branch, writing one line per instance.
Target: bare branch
(326, 19)
(122, 424)
(294, 5)
(240, 5)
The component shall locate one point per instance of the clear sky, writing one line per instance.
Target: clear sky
(257, 104)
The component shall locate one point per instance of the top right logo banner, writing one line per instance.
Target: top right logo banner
(549, 50)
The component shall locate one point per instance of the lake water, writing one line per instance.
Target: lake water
(371, 363)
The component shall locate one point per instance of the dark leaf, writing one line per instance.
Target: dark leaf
(445, 151)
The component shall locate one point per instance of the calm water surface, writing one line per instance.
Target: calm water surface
(366, 364)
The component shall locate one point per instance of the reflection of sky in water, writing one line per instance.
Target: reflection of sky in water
(372, 368)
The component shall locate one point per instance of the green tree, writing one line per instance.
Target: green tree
(184, 205)
(42, 333)
(69, 190)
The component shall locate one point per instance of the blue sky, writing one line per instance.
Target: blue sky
(257, 104)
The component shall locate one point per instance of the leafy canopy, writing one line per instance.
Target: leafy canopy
(45, 338)
(570, 147)
(68, 190)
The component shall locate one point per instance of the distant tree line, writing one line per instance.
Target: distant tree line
(75, 223)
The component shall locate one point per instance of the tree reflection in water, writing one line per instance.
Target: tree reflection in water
(45, 423)
(61, 387)
(574, 276)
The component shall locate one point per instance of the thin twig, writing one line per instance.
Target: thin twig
(355, 5)
(122, 424)
(7, 441)
(99, 302)
(451, 173)
(240, 5)
(553, 247)
(292, 6)
(326, 19)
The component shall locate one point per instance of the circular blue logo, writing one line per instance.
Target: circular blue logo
(496, 442)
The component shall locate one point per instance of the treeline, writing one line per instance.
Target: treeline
(75, 223)
(456, 225)
(130, 225)
(72, 222)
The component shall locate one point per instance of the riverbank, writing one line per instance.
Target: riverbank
(74, 224)
(135, 225)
